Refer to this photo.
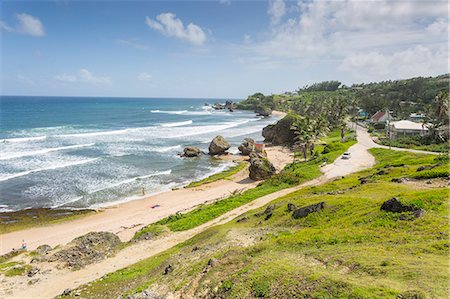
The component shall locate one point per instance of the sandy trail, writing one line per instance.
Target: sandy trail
(53, 283)
(127, 218)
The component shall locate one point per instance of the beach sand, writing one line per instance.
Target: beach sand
(127, 218)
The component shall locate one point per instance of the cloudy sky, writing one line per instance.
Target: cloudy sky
(223, 48)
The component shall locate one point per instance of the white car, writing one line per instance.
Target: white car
(346, 156)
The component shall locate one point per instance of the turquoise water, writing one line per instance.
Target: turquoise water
(90, 152)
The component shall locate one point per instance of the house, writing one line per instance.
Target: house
(380, 117)
(407, 128)
(417, 117)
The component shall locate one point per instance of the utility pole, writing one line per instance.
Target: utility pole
(389, 126)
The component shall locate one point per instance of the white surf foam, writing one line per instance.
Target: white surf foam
(177, 124)
(23, 139)
(43, 151)
(166, 172)
(93, 134)
(23, 173)
(169, 112)
(166, 149)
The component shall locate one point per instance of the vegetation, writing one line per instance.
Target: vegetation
(351, 249)
(293, 174)
(219, 176)
(12, 221)
(417, 142)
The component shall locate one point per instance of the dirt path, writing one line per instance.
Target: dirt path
(54, 282)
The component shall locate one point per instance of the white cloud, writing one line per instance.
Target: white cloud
(277, 9)
(418, 60)
(144, 77)
(26, 24)
(25, 79)
(247, 39)
(225, 2)
(83, 76)
(66, 78)
(169, 25)
(332, 32)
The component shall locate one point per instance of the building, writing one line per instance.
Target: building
(417, 117)
(407, 128)
(380, 117)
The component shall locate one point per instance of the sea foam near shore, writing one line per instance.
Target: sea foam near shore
(78, 152)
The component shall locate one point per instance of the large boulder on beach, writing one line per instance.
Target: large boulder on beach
(87, 249)
(247, 146)
(263, 111)
(261, 169)
(191, 151)
(280, 133)
(218, 146)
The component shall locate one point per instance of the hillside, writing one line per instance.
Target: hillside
(350, 249)
(401, 96)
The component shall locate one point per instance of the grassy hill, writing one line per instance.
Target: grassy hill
(350, 249)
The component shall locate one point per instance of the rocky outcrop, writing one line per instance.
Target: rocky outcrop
(43, 249)
(280, 133)
(393, 205)
(291, 207)
(305, 211)
(263, 111)
(87, 249)
(218, 146)
(247, 146)
(191, 151)
(261, 169)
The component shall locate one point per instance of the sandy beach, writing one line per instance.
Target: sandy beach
(127, 218)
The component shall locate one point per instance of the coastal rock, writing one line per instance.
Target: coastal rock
(305, 211)
(280, 133)
(43, 249)
(218, 145)
(261, 169)
(247, 146)
(191, 151)
(87, 249)
(263, 111)
(257, 155)
(395, 206)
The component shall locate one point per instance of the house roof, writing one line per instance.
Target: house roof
(408, 125)
(377, 116)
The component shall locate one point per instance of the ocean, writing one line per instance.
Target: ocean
(73, 152)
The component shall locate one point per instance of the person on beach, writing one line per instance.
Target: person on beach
(24, 245)
(143, 191)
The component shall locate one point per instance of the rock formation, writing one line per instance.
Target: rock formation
(191, 151)
(261, 169)
(218, 146)
(247, 146)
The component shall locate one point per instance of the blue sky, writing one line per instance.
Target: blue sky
(225, 48)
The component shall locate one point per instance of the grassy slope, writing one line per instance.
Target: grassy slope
(349, 250)
(292, 175)
(219, 176)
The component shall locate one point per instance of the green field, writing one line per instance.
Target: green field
(351, 249)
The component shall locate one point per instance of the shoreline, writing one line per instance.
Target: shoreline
(126, 217)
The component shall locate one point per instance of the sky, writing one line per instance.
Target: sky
(207, 49)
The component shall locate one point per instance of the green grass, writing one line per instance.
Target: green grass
(292, 175)
(13, 221)
(14, 268)
(351, 249)
(219, 176)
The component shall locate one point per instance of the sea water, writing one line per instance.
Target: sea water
(90, 152)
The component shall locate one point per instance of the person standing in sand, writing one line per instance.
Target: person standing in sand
(143, 191)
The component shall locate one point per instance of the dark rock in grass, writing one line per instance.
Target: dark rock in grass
(268, 216)
(382, 172)
(218, 146)
(243, 219)
(261, 169)
(399, 180)
(421, 168)
(269, 209)
(195, 248)
(291, 207)
(67, 292)
(247, 146)
(363, 180)
(168, 269)
(212, 262)
(305, 211)
(412, 295)
(32, 272)
(43, 249)
(191, 151)
(87, 249)
(395, 206)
